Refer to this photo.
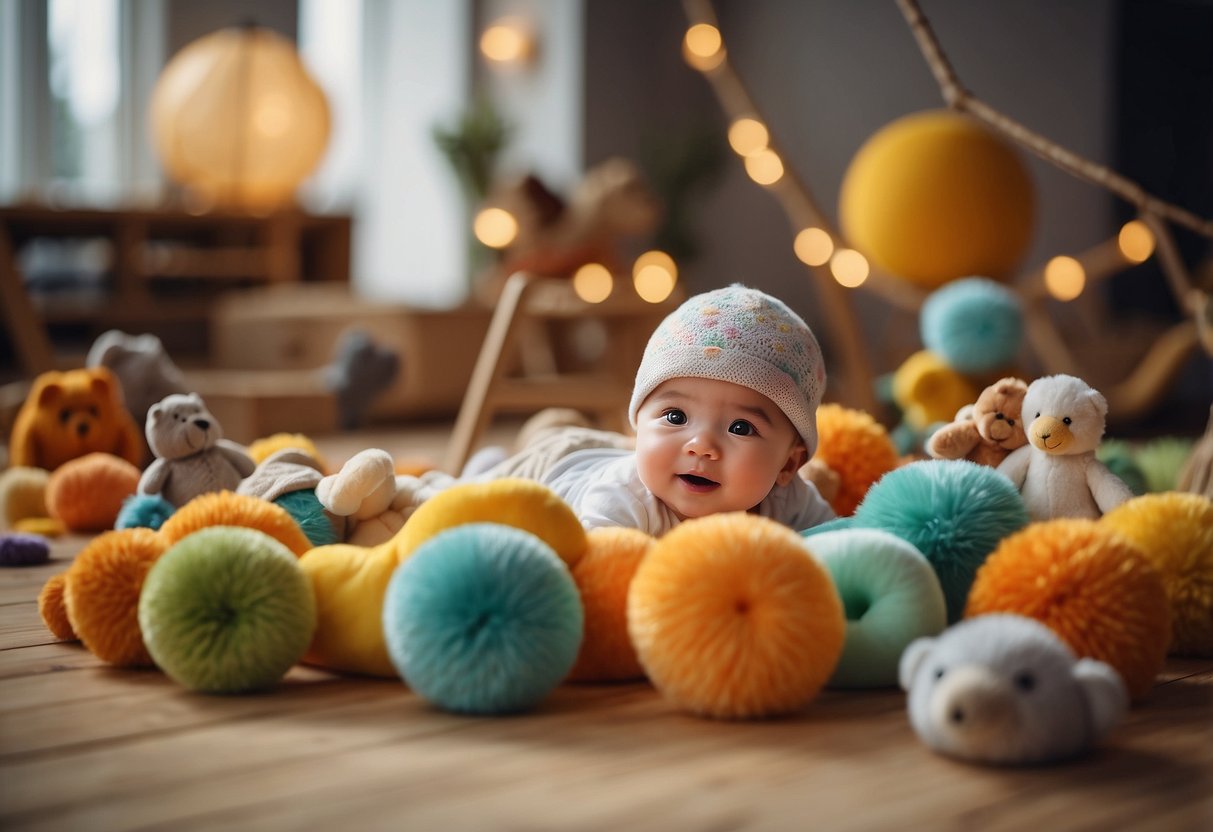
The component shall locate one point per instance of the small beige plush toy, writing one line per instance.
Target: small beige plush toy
(192, 457)
(986, 431)
(363, 493)
(1057, 473)
(1005, 689)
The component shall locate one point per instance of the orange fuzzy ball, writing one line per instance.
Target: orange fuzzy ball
(857, 448)
(1175, 532)
(87, 493)
(53, 608)
(1089, 585)
(732, 618)
(226, 508)
(603, 576)
(102, 594)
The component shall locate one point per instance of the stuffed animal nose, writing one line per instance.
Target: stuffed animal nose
(202, 423)
(973, 704)
(82, 429)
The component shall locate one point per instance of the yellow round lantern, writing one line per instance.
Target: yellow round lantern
(934, 196)
(238, 120)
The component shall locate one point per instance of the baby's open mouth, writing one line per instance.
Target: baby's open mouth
(696, 481)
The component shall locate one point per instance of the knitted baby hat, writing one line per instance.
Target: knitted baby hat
(743, 336)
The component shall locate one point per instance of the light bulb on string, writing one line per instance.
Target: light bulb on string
(654, 275)
(849, 267)
(1136, 241)
(1065, 278)
(702, 47)
(495, 227)
(813, 246)
(764, 167)
(748, 136)
(593, 283)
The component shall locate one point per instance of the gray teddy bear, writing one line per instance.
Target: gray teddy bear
(1005, 689)
(192, 456)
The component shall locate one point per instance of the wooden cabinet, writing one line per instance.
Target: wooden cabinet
(158, 265)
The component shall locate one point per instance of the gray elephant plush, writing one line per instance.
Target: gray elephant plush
(1005, 689)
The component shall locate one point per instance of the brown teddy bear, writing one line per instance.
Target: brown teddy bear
(987, 431)
(67, 415)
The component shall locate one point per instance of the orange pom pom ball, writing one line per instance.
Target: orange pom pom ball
(603, 576)
(937, 195)
(86, 493)
(1089, 585)
(732, 617)
(53, 608)
(102, 594)
(1174, 531)
(857, 448)
(226, 508)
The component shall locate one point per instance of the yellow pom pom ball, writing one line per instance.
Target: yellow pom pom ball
(733, 618)
(261, 449)
(102, 594)
(1175, 532)
(22, 494)
(53, 608)
(603, 576)
(935, 196)
(927, 390)
(523, 504)
(857, 448)
(1088, 584)
(86, 493)
(226, 508)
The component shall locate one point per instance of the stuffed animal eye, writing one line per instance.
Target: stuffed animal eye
(1025, 681)
(92, 409)
(999, 416)
(939, 671)
(1011, 422)
(1066, 420)
(64, 415)
(1038, 415)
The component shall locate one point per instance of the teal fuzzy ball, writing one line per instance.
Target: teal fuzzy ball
(483, 619)
(305, 509)
(834, 525)
(975, 325)
(890, 596)
(953, 511)
(144, 511)
(227, 610)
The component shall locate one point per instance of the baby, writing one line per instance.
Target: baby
(725, 413)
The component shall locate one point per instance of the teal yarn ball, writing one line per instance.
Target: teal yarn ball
(483, 619)
(305, 509)
(890, 596)
(953, 511)
(227, 610)
(146, 511)
(828, 526)
(975, 325)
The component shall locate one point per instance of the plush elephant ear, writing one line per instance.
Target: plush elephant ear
(1107, 698)
(912, 658)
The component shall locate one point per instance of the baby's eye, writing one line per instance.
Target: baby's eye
(742, 428)
(675, 417)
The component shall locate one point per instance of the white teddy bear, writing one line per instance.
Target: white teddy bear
(1005, 689)
(1057, 472)
(192, 456)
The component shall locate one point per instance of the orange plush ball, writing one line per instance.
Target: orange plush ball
(226, 508)
(102, 594)
(857, 448)
(1175, 532)
(732, 617)
(1089, 585)
(53, 608)
(603, 576)
(87, 493)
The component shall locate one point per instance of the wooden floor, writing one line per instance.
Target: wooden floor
(87, 747)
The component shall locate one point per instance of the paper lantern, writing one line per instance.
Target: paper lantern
(238, 120)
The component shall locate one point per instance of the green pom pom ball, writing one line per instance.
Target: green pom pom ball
(227, 610)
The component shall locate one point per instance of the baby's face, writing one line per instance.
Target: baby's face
(706, 446)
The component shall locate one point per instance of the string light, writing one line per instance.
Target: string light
(849, 267)
(702, 47)
(764, 167)
(748, 136)
(593, 283)
(495, 227)
(653, 275)
(1136, 241)
(813, 246)
(505, 42)
(1065, 278)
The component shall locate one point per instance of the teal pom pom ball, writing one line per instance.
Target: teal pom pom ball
(975, 325)
(890, 596)
(144, 511)
(953, 511)
(483, 619)
(227, 610)
(834, 525)
(305, 509)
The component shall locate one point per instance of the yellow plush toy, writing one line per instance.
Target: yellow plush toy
(70, 414)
